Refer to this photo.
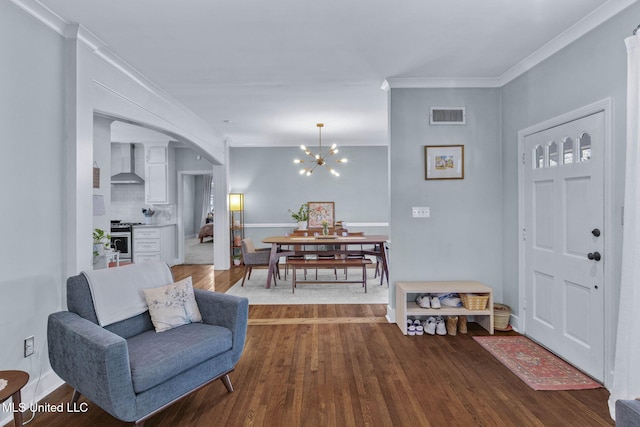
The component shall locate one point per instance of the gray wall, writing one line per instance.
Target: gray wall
(187, 161)
(462, 239)
(32, 171)
(188, 205)
(272, 185)
(592, 68)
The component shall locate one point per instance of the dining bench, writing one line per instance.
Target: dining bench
(329, 263)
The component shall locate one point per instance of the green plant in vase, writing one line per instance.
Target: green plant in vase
(301, 216)
(101, 241)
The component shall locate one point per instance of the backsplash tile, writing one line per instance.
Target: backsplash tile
(127, 201)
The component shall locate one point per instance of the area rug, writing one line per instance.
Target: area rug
(317, 293)
(536, 366)
(198, 253)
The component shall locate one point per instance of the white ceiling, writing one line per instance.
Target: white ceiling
(276, 68)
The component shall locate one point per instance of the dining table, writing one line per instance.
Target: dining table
(340, 244)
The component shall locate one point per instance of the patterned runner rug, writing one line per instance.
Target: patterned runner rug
(536, 366)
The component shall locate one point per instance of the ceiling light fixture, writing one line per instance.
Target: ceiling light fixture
(319, 159)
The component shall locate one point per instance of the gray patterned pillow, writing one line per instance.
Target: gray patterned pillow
(172, 305)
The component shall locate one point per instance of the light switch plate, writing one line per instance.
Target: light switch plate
(421, 212)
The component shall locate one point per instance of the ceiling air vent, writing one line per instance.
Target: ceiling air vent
(447, 116)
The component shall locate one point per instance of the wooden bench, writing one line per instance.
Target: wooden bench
(329, 263)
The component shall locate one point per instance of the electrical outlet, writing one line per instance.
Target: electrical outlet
(421, 212)
(29, 344)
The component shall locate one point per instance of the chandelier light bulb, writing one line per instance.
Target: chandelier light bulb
(319, 159)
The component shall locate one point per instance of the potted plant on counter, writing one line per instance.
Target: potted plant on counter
(301, 216)
(101, 241)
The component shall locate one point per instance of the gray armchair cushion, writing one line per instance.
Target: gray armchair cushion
(100, 362)
(256, 258)
(628, 413)
(156, 357)
(252, 256)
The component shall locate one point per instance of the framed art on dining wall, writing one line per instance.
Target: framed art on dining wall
(319, 212)
(444, 162)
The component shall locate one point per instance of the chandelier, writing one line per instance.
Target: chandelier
(319, 159)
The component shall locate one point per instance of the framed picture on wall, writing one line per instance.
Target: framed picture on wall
(319, 212)
(444, 162)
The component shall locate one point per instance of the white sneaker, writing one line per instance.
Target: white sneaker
(430, 325)
(435, 302)
(419, 330)
(411, 330)
(441, 328)
(423, 301)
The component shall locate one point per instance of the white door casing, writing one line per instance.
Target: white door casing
(562, 200)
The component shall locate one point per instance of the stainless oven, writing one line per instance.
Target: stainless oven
(121, 240)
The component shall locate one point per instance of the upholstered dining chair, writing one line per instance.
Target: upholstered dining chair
(252, 257)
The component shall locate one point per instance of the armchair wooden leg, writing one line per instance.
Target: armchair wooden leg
(227, 383)
(246, 269)
(75, 396)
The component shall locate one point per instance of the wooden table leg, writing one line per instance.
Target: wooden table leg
(272, 263)
(17, 413)
(293, 280)
(364, 277)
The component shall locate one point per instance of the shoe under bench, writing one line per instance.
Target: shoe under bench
(406, 293)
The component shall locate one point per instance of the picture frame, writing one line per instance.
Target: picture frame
(443, 162)
(319, 212)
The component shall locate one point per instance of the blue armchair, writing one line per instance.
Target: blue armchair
(131, 371)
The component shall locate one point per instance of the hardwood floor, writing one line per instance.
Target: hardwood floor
(344, 365)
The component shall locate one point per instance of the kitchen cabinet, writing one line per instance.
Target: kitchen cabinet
(154, 243)
(159, 173)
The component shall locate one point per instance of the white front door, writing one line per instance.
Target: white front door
(564, 241)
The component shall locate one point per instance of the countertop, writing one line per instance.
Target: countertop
(153, 225)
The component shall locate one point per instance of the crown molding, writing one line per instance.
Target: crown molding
(586, 24)
(573, 33)
(429, 83)
(43, 14)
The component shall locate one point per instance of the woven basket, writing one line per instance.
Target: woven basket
(474, 302)
(501, 316)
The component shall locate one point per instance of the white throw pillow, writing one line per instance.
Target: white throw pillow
(172, 305)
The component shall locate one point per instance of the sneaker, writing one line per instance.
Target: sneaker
(423, 301)
(441, 329)
(419, 330)
(429, 325)
(435, 302)
(411, 330)
(451, 302)
(409, 321)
